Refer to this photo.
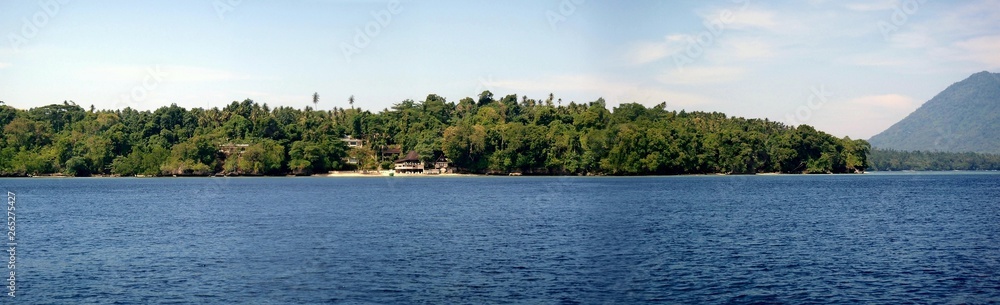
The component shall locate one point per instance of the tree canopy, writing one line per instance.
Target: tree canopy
(895, 160)
(485, 135)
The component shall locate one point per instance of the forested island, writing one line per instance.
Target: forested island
(482, 135)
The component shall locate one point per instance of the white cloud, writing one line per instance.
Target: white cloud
(724, 27)
(868, 6)
(970, 19)
(983, 50)
(749, 16)
(880, 59)
(754, 18)
(4, 65)
(701, 75)
(885, 102)
(963, 33)
(864, 116)
(647, 52)
(979, 52)
(749, 48)
(915, 39)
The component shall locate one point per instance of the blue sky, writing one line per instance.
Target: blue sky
(847, 67)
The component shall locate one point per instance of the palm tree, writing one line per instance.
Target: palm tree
(350, 100)
(315, 99)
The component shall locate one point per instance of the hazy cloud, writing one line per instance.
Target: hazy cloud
(886, 101)
(868, 6)
(864, 116)
(644, 52)
(701, 75)
(172, 73)
(984, 50)
(755, 18)
(749, 48)
(202, 74)
(914, 39)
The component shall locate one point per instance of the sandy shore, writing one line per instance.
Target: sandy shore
(389, 174)
(355, 174)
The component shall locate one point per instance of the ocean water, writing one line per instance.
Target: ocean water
(876, 238)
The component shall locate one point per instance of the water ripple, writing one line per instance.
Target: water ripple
(876, 239)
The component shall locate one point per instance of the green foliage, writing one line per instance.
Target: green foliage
(31, 162)
(481, 135)
(894, 160)
(264, 158)
(77, 166)
(317, 157)
(142, 161)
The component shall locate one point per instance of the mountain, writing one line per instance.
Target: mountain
(965, 117)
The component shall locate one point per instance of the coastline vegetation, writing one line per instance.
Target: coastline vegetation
(895, 160)
(478, 135)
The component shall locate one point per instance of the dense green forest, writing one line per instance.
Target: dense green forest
(894, 160)
(482, 135)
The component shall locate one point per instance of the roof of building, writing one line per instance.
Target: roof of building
(392, 150)
(410, 156)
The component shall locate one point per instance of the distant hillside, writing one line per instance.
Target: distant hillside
(965, 117)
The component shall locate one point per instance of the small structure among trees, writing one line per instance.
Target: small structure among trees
(352, 142)
(443, 166)
(410, 164)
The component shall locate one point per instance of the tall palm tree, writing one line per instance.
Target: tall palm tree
(350, 100)
(315, 99)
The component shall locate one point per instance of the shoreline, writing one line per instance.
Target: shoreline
(388, 174)
(393, 175)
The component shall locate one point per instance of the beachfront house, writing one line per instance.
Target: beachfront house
(410, 164)
(443, 165)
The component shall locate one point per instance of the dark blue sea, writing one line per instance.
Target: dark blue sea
(873, 239)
